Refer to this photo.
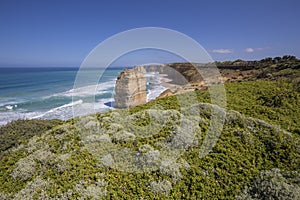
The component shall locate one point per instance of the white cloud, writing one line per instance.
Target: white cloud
(222, 51)
(249, 50)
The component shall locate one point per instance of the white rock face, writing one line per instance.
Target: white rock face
(130, 89)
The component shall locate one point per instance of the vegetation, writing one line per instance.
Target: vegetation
(152, 151)
(15, 132)
(286, 61)
(273, 185)
(274, 102)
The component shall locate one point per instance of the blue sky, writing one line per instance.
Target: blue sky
(62, 33)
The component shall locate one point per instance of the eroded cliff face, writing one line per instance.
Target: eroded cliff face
(180, 74)
(130, 89)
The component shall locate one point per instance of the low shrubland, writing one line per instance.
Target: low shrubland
(153, 151)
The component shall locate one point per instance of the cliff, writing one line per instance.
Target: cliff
(278, 68)
(180, 73)
(130, 89)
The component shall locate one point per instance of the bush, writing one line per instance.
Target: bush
(13, 133)
(162, 187)
(272, 185)
(33, 190)
(25, 168)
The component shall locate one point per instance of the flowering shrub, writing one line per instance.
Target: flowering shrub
(272, 185)
(162, 187)
(25, 168)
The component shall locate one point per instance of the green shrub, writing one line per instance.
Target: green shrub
(17, 131)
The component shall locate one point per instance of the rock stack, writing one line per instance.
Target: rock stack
(140, 68)
(130, 89)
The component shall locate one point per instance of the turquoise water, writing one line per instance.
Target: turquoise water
(48, 93)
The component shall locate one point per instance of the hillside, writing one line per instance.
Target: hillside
(152, 151)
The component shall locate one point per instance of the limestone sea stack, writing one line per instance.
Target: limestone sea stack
(130, 89)
(140, 68)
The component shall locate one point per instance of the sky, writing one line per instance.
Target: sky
(60, 33)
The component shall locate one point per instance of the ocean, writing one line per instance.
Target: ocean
(47, 93)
